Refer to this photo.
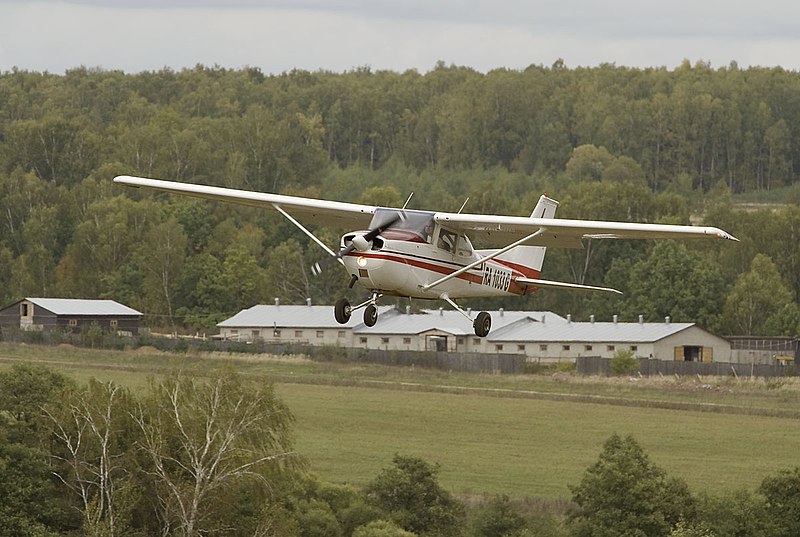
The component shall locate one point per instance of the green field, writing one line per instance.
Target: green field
(526, 436)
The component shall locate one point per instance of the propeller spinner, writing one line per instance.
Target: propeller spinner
(362, 243)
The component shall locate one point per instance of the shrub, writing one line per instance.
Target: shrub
(624, 363)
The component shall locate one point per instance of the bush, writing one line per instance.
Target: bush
(624, 493)
(624, 363)
(410, 493)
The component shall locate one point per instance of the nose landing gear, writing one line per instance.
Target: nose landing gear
(342, 310)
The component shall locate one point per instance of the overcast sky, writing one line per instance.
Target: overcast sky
(340, 35)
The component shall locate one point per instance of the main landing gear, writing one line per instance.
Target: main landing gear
(342, 310)
(482, 323)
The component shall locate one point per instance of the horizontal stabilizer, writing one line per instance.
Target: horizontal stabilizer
(563, 285)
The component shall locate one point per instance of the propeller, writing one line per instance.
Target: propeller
(359, 242)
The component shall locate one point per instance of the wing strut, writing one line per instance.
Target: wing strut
(306, 231)
(474, 264)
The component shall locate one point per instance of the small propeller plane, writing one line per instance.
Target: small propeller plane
(429, 255)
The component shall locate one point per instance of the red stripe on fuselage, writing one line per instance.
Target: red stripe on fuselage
(474, 278)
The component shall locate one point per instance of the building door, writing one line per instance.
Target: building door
(437, 343)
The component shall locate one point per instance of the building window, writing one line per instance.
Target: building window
(362, 340)
(565, 347)
(298, 333)
(320, 333)
(498, 348)
(610, 348)
(113, 323)
(255, 334)
(341, 334)
(73, 322)
(634, 347)
(23, 310)
(233, 332)
(543, 348)
(521, 348)
(460, 341)
(384, 341)
(588, 347)
(406, 341)
(476, 341)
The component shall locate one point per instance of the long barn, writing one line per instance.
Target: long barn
(70, 315)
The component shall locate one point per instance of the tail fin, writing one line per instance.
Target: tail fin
(529, 259)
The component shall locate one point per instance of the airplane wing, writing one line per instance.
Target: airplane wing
(330, 213)
(566, 233)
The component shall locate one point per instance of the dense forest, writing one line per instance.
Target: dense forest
(608, 142)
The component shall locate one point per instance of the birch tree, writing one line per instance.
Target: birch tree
(201, 437)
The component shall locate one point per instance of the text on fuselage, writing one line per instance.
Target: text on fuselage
(496, 278)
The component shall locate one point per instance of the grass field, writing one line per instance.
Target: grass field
(525, 436)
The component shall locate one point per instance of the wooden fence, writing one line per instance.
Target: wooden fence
(595, 365)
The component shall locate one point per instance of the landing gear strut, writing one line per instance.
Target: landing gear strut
(482, 323)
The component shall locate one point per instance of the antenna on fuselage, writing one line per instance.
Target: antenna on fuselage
(463, 205)
(409, 199)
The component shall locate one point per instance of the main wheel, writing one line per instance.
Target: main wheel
(341, 311)
(370, 315)
(482, 324)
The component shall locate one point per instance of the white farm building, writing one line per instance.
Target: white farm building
(540, 336)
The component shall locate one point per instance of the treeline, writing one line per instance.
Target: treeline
(608, 142)
(196, 456)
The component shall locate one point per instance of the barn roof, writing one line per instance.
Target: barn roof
(80, 307)
(587, 332)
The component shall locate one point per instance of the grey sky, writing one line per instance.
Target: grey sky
(338, 35)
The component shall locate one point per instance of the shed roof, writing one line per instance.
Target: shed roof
(587, 332)
(79, 306)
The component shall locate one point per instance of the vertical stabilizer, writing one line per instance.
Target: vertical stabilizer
(529, 259)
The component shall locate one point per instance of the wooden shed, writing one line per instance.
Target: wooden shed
(70, 315)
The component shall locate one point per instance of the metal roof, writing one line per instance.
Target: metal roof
(449, 321)
(390, 320)
(583, 332)
(77, 306)
(292, 316)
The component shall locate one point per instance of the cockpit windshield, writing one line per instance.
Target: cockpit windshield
(419, 222)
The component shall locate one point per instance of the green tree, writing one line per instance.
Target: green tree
(782, 493)
(625, 494)
(760, 303)
(201, 436)
(739, 513)
(381, 528)
(674, 281)
(499, 518)
(411, 494)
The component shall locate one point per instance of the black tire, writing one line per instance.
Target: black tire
(370, 315)
(482, 324)
(341, 311)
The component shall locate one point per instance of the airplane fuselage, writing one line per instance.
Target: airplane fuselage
(401, 263)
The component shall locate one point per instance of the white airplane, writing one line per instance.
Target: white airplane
(429, 255)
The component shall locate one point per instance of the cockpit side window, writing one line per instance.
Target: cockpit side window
(447, 240)
(464, 247)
